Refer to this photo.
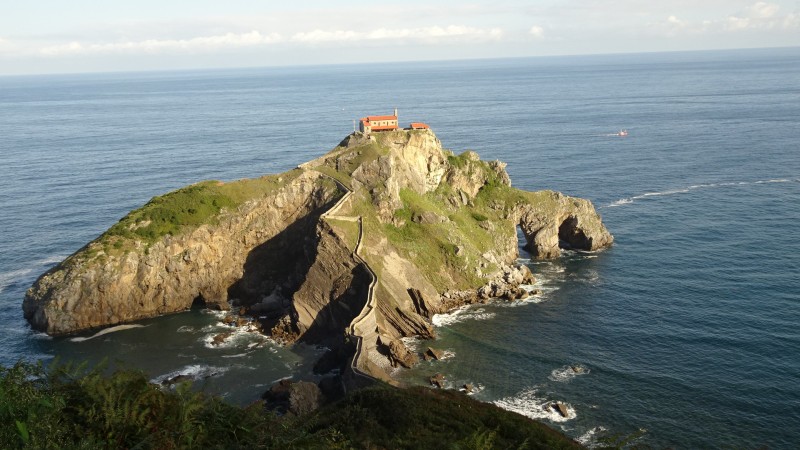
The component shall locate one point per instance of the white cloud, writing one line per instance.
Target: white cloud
(763, 10)
(536, 31)
(758, 16)
(672, 20)
(203, 43)
(255, 38)
(434, 33)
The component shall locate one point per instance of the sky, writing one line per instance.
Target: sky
(38, 37)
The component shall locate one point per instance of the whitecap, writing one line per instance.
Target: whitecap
(215, 312)
(530, 405)
(107, 331)
(238, 337)
(590, 438)
(447, 354)
(185, 329)
(194, 371)
(567, 373)
(476, 388)
(461, 314)
(412, 343)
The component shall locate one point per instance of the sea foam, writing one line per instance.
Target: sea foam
(530, 404)
(194, 371)
(467, 312)
(107, 331)
(567, 373)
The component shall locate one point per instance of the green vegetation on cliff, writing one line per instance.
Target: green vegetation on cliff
(192, 205)
(64, 407)
(184, 209)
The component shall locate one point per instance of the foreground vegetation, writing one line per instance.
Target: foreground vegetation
(73, 408)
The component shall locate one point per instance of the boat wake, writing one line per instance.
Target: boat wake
(629, 200)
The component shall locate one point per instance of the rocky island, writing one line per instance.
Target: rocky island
(354, 250)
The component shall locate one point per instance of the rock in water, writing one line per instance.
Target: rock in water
(434, 354)
(437, 380)
(560, 408)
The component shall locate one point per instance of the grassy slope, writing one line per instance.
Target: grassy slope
(185, 208)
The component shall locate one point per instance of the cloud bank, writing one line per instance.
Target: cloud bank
(429, 35)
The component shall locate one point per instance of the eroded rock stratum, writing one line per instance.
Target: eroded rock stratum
(362, 245)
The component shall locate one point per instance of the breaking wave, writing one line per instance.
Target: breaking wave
(107, 331)
(529, 404)
(567, 373)
(194, 372)
(590, 438)
(246, 337)
(467, 312)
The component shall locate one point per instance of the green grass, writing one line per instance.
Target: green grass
(350, 160)
(347, 230)
(432, 247)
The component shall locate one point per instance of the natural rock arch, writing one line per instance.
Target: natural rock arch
(563, 222)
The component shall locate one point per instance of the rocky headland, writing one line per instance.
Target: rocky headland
(355, 250)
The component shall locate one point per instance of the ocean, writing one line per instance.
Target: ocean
(685, 333)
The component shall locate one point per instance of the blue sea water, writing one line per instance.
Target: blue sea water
(686, 331)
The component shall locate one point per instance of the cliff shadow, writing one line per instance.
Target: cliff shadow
(278, 265)
(345, 304)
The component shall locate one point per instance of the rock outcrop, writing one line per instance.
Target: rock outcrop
(555, 221)
(356, 249)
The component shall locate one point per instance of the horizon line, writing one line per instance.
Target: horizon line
(400, 61)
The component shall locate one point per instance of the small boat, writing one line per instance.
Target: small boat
(622, 133)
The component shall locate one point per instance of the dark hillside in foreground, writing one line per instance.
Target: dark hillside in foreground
(422, 418)
(70, 408)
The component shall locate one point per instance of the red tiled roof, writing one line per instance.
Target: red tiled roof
(375, 118)
(382, 128)
(419, 125)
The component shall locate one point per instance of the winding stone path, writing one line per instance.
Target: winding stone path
(365, 323)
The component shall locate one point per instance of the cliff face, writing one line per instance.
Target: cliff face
(369, 240)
